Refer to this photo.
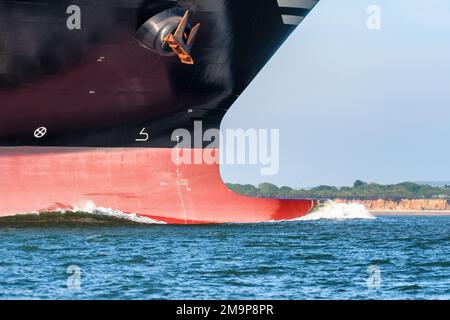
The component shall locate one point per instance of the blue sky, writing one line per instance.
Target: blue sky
(353, 103)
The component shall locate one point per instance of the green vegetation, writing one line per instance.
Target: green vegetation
(360, 190)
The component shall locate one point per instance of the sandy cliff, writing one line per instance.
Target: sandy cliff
(403, 205)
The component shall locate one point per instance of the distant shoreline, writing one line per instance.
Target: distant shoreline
(417, 207)
(405, 213)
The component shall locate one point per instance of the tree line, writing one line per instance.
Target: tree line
(360, 190)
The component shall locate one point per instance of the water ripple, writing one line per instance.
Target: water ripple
(339, 259)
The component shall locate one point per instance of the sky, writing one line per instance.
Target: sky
(355, 103)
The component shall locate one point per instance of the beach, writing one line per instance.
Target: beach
(412, 213)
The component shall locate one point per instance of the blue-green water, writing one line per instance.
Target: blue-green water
(385, 258)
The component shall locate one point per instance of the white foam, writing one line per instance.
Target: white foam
(91, 208)
(337, 211)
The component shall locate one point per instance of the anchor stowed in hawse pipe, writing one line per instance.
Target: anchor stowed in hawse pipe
(168, 34)
(182, 39)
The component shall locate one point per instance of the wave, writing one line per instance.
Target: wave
(331, 210)
(91, 208)
(86, 215)
(91, 215)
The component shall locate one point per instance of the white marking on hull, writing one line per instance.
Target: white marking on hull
(292, 20)
(299, 4)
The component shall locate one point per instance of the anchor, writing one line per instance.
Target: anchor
(182, 39)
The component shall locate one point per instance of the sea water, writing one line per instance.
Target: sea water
(337, 252)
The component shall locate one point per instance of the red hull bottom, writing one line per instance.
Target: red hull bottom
(138, 181)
